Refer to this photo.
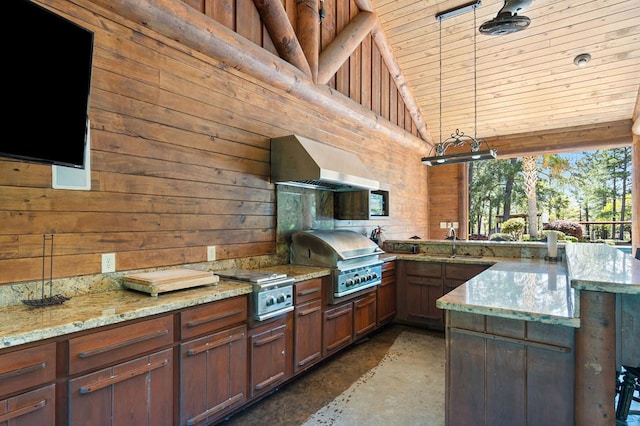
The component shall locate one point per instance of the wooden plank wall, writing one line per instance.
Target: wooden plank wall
(180, 153)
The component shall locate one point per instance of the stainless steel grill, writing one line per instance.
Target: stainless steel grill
(353, 258)
(272, 293)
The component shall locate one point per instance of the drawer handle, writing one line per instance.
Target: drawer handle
(227, 403)
(23, 370)
(308, 311)
(338, 314)
(122, 377)
(268, 339)
(213, 345)
(122, 344)
(269, 381)
(310, 291)
(213, 318)
(22, 411)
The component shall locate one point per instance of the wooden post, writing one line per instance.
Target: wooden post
(595, 362)
(635, 162)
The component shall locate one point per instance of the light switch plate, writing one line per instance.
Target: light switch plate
(108, 262)
(443, 225)
(211, 253)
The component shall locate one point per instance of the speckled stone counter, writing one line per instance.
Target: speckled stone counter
(20, 323)
(23, 324)
(599, 267)
(526, 289)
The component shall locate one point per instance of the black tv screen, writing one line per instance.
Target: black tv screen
(47, 75)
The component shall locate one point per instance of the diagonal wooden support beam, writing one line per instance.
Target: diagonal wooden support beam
(381, 41)
(334, 55)
(276, 21)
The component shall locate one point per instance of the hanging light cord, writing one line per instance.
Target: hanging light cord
(440, 63)
(475, 80)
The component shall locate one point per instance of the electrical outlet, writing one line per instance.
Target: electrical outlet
(211, 253)
(443, 225)
(108, 262)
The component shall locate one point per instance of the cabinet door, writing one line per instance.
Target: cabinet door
(422, 293)
(308, 335)
(386, 300)
(337, 328)
(364, 315)
(268, 358)
(213, 375)
(30, 408)
(137, 392)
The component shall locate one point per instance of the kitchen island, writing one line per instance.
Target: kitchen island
(534, 342)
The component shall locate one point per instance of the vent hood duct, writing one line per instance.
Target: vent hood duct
(303, 162)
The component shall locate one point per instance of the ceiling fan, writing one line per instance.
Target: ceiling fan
(507, 21)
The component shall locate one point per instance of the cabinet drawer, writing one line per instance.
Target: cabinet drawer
(389, 267)
(425, 269)
(107, 347)
(213, 316)
(308, 290)
(27, 368)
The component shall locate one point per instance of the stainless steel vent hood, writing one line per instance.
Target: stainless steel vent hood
(299, 161)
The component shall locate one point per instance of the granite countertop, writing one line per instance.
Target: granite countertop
(599, 267)
(23, 324)
(523, 289)
(538, 290)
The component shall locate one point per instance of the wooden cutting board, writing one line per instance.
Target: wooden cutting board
(170, 280)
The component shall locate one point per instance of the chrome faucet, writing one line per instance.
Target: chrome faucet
(452, 234)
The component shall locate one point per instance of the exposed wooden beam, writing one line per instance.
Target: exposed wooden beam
(579, 138)
(309, 33)
(389, 58)
(180, 22)
(276, 21)
(334, 55)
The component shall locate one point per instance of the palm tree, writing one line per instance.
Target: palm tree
(530, 172)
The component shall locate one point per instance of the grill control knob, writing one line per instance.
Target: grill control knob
(270, 301)
(281, 298)
(375, 275)
(349, 282)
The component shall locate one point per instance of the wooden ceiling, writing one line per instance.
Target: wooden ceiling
(522, 85)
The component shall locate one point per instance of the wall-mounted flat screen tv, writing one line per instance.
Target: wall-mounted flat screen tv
(47, 76)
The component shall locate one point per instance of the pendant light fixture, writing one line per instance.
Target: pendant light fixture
(438, 154)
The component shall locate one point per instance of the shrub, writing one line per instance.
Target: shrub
(514, 227)
(500, 236)
(569, 227)
(571, 239)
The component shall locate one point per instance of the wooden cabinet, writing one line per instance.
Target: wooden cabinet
(213, 368)
(122, 391)
(27, 389)
(337, 324)
(508, 372)
(364, 315)
(268, 355)
(386, 294)
(307, 324)
(420, 284)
